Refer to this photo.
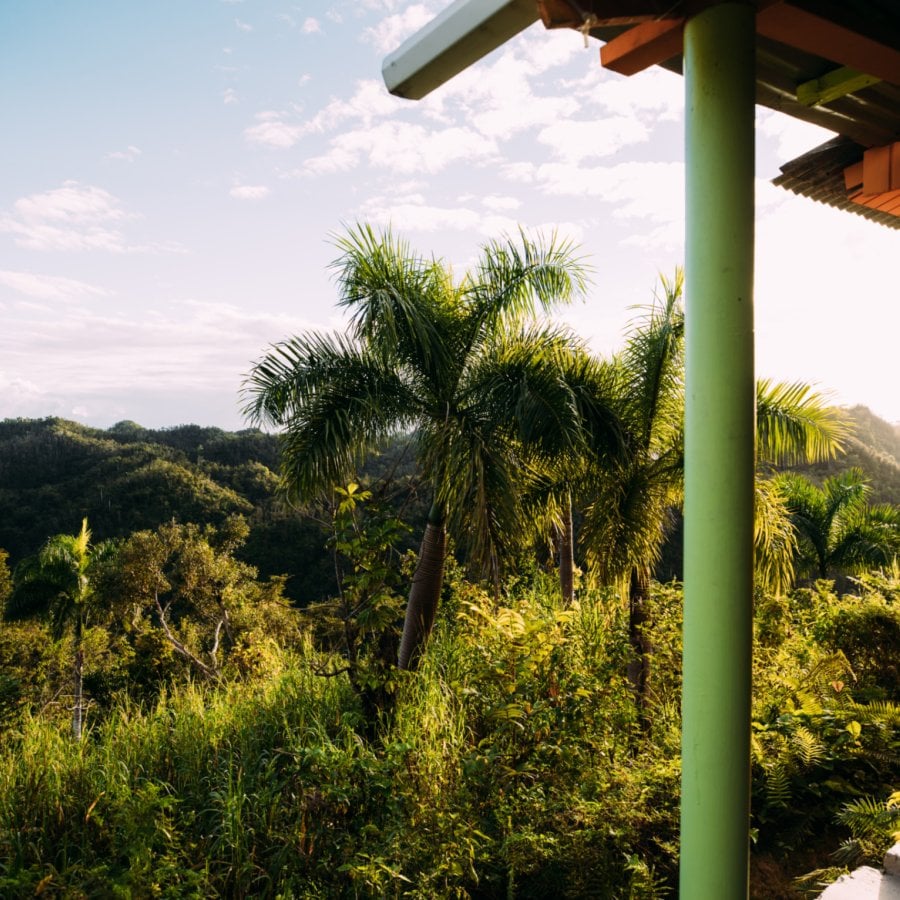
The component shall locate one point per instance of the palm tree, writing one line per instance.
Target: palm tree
(837, 530)
(461, 365)
(562, 470)
(634, 502)
(794, 425)
(58, 582)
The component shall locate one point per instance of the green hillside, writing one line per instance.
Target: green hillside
(53, 473)
(874, 448)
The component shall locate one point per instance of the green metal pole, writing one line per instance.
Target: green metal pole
(719, 69)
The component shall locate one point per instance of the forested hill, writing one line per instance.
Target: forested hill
(874, 448)
(54, 472)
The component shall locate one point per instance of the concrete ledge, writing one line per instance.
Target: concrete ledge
(868, 883)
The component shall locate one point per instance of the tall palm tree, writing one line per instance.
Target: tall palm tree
(464, 366)
(837, 530)
(58, 582)
(634, 502)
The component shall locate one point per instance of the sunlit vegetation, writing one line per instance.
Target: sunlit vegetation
(200, 693)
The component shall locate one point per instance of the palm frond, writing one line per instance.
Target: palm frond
(522, 379)
(334, 400)
(480, 486)
(774, 538)
(626, 523)
(400, 303)
(653, 367)
(795, 424)
(512, 281)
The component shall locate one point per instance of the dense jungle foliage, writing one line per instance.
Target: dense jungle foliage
(54, 473)
(294, 761)
(511, 764)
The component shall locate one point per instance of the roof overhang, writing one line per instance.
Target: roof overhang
(833, 63)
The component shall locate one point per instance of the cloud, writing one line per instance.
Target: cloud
(650, 193)
(497, 203)
(403, 148)
(272, 131)
(642, 190)
(311, 26)
(184, 348)
(507, 94)
(73, 217)
(47, 287)
(243, 26)
(128, 155)
(72, 202)
(793, 137)
(249, 191)
(229, 96)
(369, 101)
(574, 141)
(411, 212)
(22, 397)
(391, 31)
(656, 96)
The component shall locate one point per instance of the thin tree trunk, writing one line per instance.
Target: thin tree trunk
(641, 648)
(566, 548)
(78, 677)
(77, 710)
(425, 591)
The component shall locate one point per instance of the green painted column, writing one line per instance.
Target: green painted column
(719, 451)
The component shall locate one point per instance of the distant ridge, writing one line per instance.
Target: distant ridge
(874, 447)
(54, 473)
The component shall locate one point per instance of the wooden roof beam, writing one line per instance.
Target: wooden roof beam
(789, 24)
(832, 85)
(643, 46)
(590, 13)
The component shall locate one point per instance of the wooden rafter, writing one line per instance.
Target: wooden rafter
(643, 46)
(800, 28)
(592, 13)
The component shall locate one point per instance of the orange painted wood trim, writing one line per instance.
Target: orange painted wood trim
(643, 46)
(853, 176)
(806, 31)
(877, 170)
(888, 202)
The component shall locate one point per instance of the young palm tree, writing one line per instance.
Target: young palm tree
(837, 530)
(461, 365)
(794, 425)
(562, 470)
(58, 582)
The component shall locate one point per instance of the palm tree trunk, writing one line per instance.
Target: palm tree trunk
(641, 648)
(425, 591)
(566, 547)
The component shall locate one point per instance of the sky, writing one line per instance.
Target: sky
(174, 174)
